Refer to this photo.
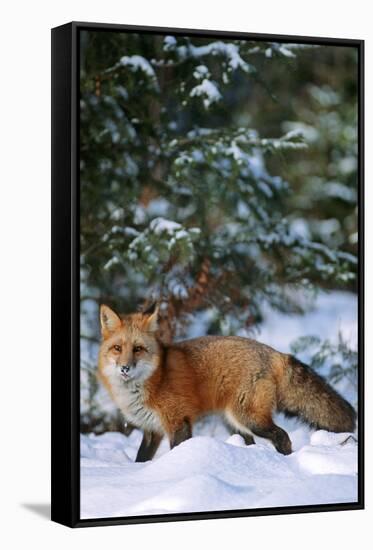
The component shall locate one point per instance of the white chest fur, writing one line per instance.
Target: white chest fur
(129, 397)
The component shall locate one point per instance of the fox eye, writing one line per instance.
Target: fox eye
(117, 348)
(137, 349)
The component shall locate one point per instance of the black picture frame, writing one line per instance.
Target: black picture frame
(65, 275)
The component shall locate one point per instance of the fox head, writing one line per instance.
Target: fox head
(129, 349)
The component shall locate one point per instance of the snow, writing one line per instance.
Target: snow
(109, 264)
(209, 90)
(169, 43)
(178, 289)
(158, 207)
(216, 470)
(340, 191)
(230, 51)
(206, 473)
(332, 312)
(137, 62)
(160, 225)
(286, 51)
(200, 72)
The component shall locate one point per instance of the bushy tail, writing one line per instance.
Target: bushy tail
(303, 393)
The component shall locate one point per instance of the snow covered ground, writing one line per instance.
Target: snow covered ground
(207, 473)
(216, 470)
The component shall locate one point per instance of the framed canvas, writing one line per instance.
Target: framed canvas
(207, 274)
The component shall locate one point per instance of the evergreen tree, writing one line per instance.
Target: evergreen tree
(178, 203)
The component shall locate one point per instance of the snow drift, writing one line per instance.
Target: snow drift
(208, 473)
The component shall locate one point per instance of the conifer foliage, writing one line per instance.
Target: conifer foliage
(184, 198)
(177, 204)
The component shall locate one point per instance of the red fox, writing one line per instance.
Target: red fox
(162, 389)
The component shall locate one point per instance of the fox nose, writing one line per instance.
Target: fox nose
(125, 368)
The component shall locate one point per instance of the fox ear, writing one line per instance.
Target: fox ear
(151, 318)
(110, 321)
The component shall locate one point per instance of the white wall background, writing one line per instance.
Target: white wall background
(25, 269)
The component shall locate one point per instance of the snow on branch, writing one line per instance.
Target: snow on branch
(208, 90)
(230, 51)
(161, 239)
(136, 63)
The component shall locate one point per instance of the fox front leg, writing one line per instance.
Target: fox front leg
(181, 434)
(149, 445)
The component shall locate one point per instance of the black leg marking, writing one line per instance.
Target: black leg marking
(249, 440)
(182, 434)
(149, 445)
(277, 435)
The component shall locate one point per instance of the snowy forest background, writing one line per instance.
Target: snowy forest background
(219, 178)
